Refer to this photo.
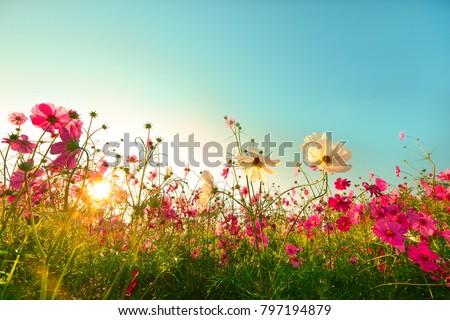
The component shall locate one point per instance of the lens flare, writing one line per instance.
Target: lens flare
(100, 190)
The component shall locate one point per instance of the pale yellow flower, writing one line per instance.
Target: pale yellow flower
(319, 151)
(255, 163)
(206, 192)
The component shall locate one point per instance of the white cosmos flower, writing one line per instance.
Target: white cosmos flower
(206, 192)
(321, 152)
(255, 163)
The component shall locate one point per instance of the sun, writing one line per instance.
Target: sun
(100, 190)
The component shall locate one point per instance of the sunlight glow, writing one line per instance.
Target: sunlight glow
(100, 190)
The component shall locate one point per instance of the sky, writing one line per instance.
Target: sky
(364, 70)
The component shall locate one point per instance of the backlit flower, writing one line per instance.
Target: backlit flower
(17, 118)
(48, 117)
(321, 153)
(22, 145)
(68, 148)
(206, 191)
(255, 163)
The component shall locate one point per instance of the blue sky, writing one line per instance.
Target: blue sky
(364, 70)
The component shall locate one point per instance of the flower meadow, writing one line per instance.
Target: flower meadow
(73, 226)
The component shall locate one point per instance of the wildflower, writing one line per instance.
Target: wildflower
(397, 171)
(22, 145)
(68, 148)
(401, 135)
(133, 283)
(339, 203)
(375, 189)
(353, 260)
(206, 191)
(290, 249)
(341, 184)
(423, 256)
(371, 175)
(255, 163)
(244, 191)
(17, 118)
(444, 175)
(295, 261)
(230, 122)
(225, 171)
(320, 156)
(48, 117)
(391, 232)
(186, 170)
(313, 221)
(423, 223)
(343, 223)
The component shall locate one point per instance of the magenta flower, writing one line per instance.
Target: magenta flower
(423, 256)
(341, 184)
(67, 149)
(290, 249)
(444, 175)
(423, 223)
(313, 221)
(225, 171)
(22, 145)
(48, 117)
(343, 223)
(401, 135)
(391, 232)
(339, 203)
(397, 171)
(17, 118)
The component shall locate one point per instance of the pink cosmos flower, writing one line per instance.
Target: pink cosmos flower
(23, 145)
(391, 232)
(48, 117)
(341, 184)
(68, 148)
(17, 118)
(371, 175)
(296, 171)
(423, 223)
(397, 171)
(381, 184)
(444, 175)
(230, 122)
(313, 221)
(423, 256)
(132, 159)
(343, 223)
(295, 261)
(401, 135)
(225, 171)
(290, 249)
(339, 203)
(186, 170)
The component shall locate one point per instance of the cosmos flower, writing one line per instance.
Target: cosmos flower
(391, 232)
(255, 163)
(321, 153)
(206, 191)
(48, 117)
(17, 118)
(68, 148)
